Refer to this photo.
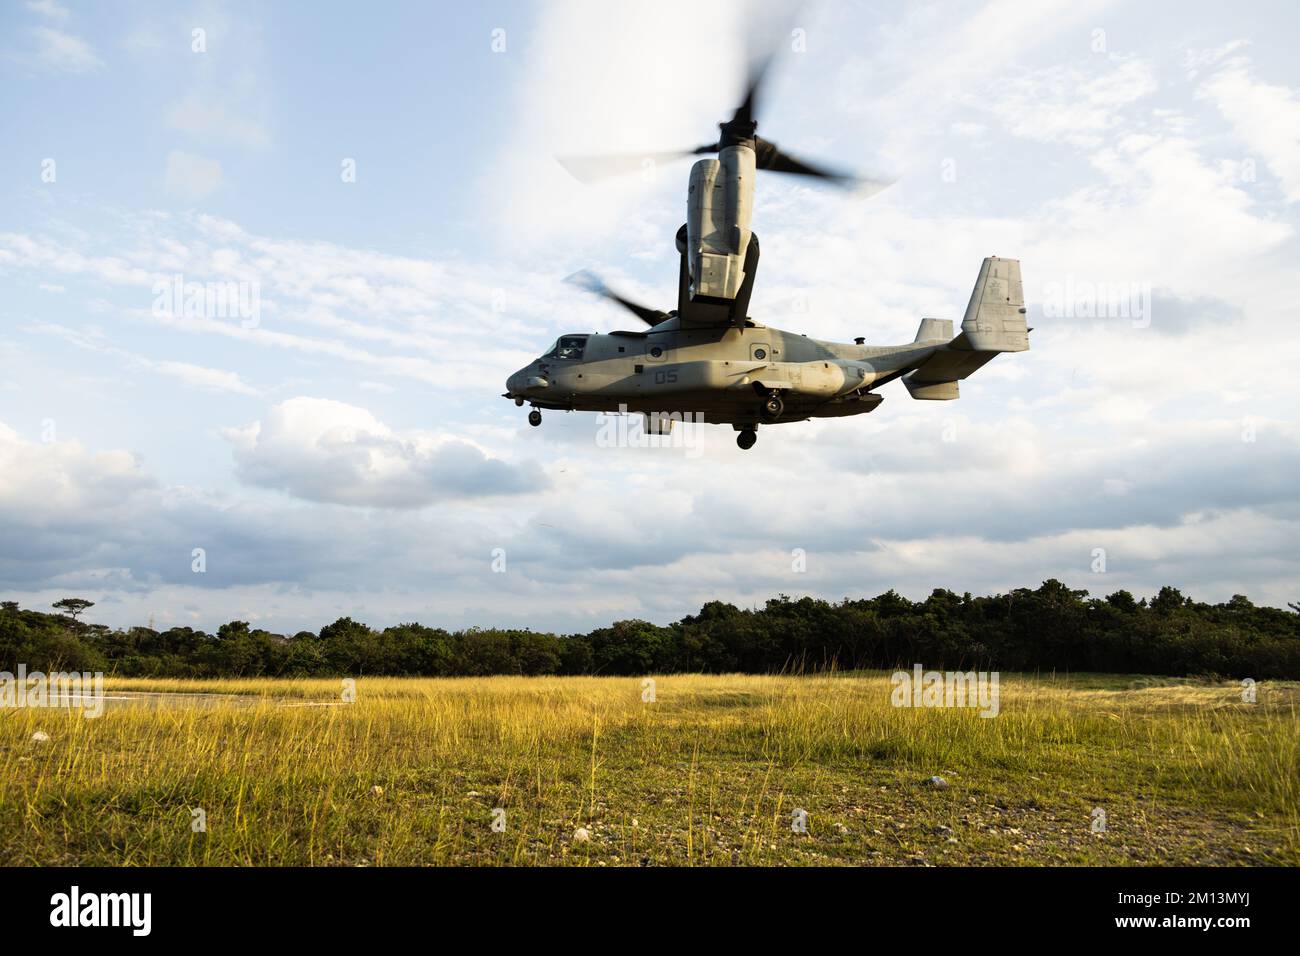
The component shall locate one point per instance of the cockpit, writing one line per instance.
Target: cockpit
(568, 347)
(538, 377)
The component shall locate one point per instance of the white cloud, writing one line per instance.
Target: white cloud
(63, 52)
(447, 323)
(61, 484)
(329, 451)
(207, 379)
(48, 9)
(1196, 60)
(1265, 117)
(1158, 193)
(579, 93)
(191, 177)
(932, 57)
(197, 376)
(1069, 105)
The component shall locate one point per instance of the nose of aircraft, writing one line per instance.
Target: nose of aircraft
(528, 381)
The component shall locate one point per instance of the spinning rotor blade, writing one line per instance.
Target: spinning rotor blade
(747, 111)
(589, 169)
(772, 158)
(590, 282)
(737, 131)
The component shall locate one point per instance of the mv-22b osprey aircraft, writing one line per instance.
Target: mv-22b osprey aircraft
(707, 360)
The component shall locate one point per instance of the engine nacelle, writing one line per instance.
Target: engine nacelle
(719, 205)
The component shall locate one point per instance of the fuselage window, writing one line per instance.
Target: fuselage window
(569, 347)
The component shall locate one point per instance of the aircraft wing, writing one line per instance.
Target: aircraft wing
(700, 312)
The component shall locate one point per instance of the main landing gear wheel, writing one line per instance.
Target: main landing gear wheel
(747, 438)
(773, 407)
(534, 418)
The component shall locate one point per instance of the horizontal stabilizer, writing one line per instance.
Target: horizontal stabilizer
(951, 363)
(931, 391)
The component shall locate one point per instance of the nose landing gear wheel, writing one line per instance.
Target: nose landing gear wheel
(773, 407)
(534, 418)
(747, 438)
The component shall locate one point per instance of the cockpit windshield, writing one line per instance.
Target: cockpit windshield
(568, 347)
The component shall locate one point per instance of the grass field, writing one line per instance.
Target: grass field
(708, 774)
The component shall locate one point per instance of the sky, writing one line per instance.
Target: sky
(377, 186)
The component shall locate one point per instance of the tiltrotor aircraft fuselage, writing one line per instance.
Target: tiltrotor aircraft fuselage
(709, 360)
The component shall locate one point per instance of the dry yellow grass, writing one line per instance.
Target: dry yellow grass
(707, 774)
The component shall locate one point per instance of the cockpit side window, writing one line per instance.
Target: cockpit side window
(568, 347)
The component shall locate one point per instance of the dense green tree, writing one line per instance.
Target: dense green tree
(1052, 627)
(73, 607)
(1122, 601)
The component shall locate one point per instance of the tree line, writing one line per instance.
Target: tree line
(1051, 628)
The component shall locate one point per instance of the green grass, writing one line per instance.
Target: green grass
(706, 775)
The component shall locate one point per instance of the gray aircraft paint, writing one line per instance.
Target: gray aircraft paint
(722, 372)
(707, 359)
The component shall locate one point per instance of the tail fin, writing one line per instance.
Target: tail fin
(994, 322)
(934, 330)
(995, 317)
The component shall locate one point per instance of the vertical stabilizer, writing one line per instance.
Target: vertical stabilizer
(995, 317)
(934, 329)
